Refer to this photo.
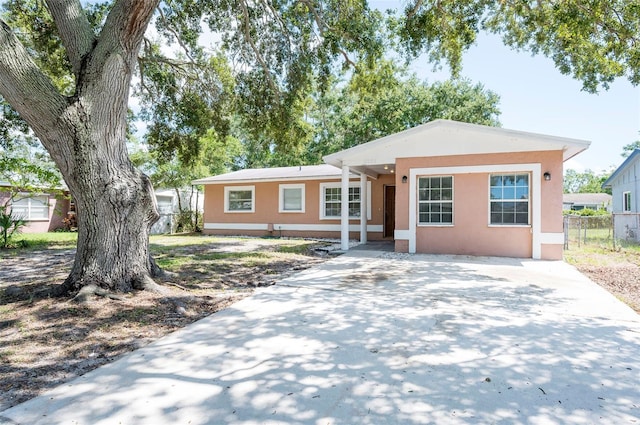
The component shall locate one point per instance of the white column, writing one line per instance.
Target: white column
(363, 208)
(344, 206)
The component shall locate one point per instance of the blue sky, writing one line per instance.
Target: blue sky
(535, 97)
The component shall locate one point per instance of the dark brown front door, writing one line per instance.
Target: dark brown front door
(389, 211)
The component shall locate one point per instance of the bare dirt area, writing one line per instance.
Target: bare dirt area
(47, 341)
(616, 271)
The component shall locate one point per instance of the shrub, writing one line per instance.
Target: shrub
(10, 226)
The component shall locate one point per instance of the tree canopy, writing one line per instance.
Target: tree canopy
(629, 148)
(585, 182)
(67, 68)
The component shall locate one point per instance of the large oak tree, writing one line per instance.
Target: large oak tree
(279, 48)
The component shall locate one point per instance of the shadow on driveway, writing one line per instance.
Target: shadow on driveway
(381, 338)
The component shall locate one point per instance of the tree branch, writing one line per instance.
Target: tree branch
(256, 51)
(25, 87)
(323, 27)
(414, 10)
(176, 35)
(126, 25)
(74, 30)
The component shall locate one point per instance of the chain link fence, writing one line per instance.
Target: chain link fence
(615, 230)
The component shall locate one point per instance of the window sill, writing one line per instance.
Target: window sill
(509, 225)
(239, 212)
(291, 212)
(436, 225)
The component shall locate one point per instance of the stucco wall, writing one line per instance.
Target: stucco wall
(266, 211)
(58, 208)
(471, 232)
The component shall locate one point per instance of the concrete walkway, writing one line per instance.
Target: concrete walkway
(380, 338)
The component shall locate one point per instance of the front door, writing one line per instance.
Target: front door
(389, 211)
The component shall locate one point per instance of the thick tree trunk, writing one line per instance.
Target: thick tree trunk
(115, 212)
(85, 135)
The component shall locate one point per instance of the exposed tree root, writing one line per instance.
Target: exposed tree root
(86, 292)
(146, 283)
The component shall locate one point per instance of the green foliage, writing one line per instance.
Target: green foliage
(10, 225)
(382, 100)
(585, 182)
(594, 41)
(36, 30)
(628, 149)
(587, 212)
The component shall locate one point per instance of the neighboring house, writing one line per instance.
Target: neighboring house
(43, 212)
(625, 185)
(625, 189)
(581, 201)
(169, 207)
(444, 187)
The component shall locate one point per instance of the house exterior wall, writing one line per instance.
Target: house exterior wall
(58, 208)
(627, 181)
(266, 219)
(471, 232)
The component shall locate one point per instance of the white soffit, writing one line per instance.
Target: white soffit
(446, 138)
(304, 172)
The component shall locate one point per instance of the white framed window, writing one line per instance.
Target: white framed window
(291, 198)
(239, 199)
(626, 201)
(435, 200)
(331, 200)
(30, 207)
(509, 199)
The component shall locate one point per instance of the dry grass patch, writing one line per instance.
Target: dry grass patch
(47, 341)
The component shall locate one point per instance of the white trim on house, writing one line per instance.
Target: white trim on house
(627, 199)
(228, 189)
(32, 207)
(378, 228)
(534, 196)
(448, 138)
(252, 175)
(235, 226)
(282, 188)
(515, 200)
(339, 185)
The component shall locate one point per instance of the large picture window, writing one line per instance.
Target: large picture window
(291, 198)
(31, 207)
(509, 203)
(239, 199)
(435, 200)
(626, 201)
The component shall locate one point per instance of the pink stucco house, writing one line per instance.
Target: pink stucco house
(43, 212)
(444, 187)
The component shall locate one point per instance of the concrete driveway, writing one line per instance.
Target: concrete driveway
(381, 338)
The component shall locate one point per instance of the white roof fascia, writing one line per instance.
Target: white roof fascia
(298, 173)
(445, 138)
(271, 180)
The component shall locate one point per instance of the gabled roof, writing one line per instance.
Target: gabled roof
(630, 159)
(304, 172)
(444, 138)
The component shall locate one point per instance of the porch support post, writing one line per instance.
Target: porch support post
(344, 209)
(363, 208)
